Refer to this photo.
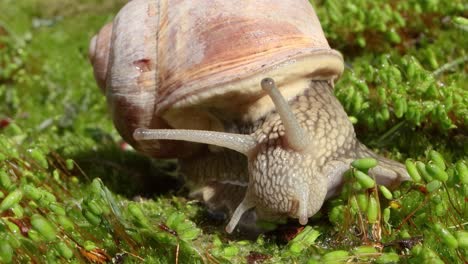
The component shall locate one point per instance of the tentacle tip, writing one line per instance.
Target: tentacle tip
(303, 202)
(233, 222)
(230, 227)
(303, 219)
(139, 134)
(267, 84)
(243, 207)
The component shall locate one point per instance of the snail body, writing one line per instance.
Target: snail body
(210, 72)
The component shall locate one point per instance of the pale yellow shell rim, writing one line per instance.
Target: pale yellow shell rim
(323, 64)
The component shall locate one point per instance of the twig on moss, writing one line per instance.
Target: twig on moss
(449, 65)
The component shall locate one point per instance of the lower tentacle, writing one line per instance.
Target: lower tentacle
(220, 196)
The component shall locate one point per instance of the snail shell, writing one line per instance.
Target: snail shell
(193, 57)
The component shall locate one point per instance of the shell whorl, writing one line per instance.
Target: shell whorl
(98, 54)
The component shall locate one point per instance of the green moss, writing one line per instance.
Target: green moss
(69, 191)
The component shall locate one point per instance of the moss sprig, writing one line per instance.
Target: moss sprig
(423, 219)
(378, 25)
(389, 90)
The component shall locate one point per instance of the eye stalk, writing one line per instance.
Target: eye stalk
(241, 143)
(295, 135)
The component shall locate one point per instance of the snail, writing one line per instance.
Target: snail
(252, 81)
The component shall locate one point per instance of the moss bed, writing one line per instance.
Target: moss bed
(72, 191)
